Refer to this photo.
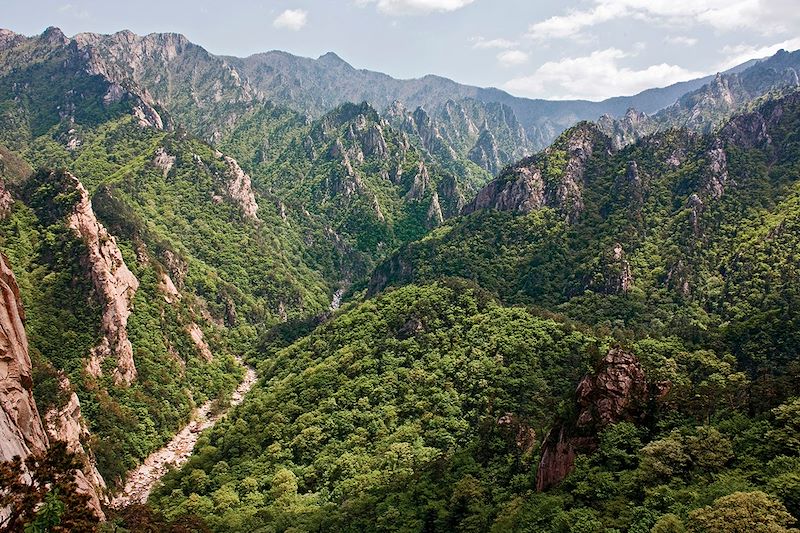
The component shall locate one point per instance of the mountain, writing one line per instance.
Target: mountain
(635, 336)
(706, 107)
(316, 85)
(454, 330)
(660, 228)
(210, 93)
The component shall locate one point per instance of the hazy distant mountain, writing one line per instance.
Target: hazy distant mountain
(204, 86)
(706, 107)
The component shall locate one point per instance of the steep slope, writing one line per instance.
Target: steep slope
(142, 271)
(660, 236)
(656, 392)
(45, 86)
(20, 425)
(24, 432)
(487, 135)
(202, 90)
(350, 174)
(707, 107)
(209, 94)
(413, 397)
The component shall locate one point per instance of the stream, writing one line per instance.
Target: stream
(140, 482)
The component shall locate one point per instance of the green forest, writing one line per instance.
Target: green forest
(450, 333)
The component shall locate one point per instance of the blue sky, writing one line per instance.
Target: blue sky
(572, 49)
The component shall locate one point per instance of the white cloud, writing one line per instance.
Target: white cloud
(70, 9)
(595, 77)
(481, 43)
(761, 15)
(569, 25)
(291, 19)
(510, 58)
(738, 54)
(415, 7)
(681, 40)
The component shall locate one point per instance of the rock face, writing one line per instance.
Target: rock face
(540, 181)
(164, 161)
(21, 430)
(6, 201)
(706, 107)
(240, 188)
(115, 285)
(617, 391)
(616, 276)
(66, 424)
(199, 341)
(628, 128)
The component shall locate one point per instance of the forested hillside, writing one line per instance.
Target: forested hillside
(656, 280)
(451, 332)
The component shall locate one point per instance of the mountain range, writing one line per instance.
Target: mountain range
(467, 310)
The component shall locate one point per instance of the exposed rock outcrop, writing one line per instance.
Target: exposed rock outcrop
(21, 429)
(717, 176)
(618, 390)
(67, 425)
(114, 284)
(485, 153)
(614, 275)
(523, 436)
(199, 340)
(435, 217)
(22, 432)
(420, 185)
(6, 200)
(164, 161)
(538, 182)
(168, 288)
(627, 129)
(523, 191)
(240, 188)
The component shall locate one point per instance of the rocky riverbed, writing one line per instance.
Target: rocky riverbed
(141, 481)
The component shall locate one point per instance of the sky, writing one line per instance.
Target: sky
(589, 49)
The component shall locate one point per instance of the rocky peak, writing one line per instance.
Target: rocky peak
(55, 36)
(569, 190)
(626, 129)
(435, 217)
(331, 58)
(8, 39)
(421, 184)
(485, 153)
(113, 282)
(533, 183)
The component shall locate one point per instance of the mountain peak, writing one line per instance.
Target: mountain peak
(54, 34)
(332, 58)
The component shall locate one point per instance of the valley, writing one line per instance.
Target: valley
(275, 293)
(140, 482)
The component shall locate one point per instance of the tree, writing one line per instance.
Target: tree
(742, 512)
(47, 497)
